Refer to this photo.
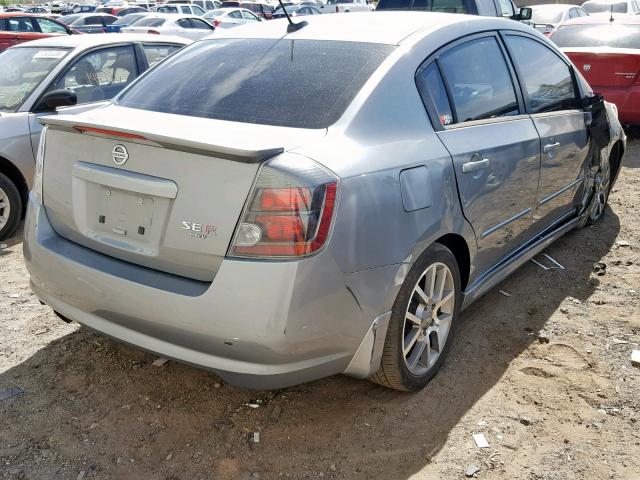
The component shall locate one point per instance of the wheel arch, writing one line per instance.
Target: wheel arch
(11, 171)
(458, 246)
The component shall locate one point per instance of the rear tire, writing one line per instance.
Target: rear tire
(10, 207)
(423, 321)
(602, 187)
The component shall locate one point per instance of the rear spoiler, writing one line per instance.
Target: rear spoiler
(69, 123)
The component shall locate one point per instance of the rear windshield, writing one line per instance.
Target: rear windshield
(68, 19)
(151, 22)
(595, 7)
(448, 6)
(168, 9)
(291, 83)
(615, 36)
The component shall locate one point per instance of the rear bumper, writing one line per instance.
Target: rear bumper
(626, 99)
(258, 324)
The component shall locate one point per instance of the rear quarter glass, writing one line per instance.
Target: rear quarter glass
(301, 84)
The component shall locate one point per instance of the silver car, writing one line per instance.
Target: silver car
(42, 75)
(279, 207)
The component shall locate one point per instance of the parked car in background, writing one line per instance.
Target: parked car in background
(607, 54)
(186, 26)
(56, 7)
(606, 7)
(126, 21)
(75, 8)
(296, 11)
(230, 17)
(17, 28)
(181, 9)
(40, 10)
(345, 6)
(89, 22)
(206, 5)
(74, 73)
(263, 10)
(466, 134)
(546, 17)
(485, 8)
(128, 10)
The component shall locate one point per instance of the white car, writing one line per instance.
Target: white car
(186, 26)
(545, 18)
(231, 17)
(345, 6)
(183, 8)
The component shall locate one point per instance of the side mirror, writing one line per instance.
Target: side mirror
(525, 13)
(56, 98)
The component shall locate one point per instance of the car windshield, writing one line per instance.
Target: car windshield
(542, 15)
(151, 22)
(25, 68)
(292, 83)
(596, 7)
(605, 35)
(214, 13)
(69, 19)
(129, 19)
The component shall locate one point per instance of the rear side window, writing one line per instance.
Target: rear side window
(301, 83)
(546, 79)
(434, 94)
(151, 22)
(156, 53)
(479, 81)
(605, 35)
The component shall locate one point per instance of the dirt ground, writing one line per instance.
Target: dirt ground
(566, 409)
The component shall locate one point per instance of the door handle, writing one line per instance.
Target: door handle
(551, 147)
(471, 167)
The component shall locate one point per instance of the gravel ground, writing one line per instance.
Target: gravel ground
(567, 409)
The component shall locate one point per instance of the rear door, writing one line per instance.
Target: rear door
(552, 98)
(495, 147)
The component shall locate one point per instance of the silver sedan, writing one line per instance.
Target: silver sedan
(72, 73)
(284, 202)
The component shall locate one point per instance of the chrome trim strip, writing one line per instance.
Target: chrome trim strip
(559, 192)
(503, 224)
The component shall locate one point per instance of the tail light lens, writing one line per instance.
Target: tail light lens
(290, 210)
(153, 32)
(217, 22)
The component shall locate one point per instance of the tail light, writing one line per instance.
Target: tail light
(337, 9)
(37, 176)
(290, 211)
(217, 22)
(153, 32)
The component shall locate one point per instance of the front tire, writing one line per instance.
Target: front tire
(602, 187)
(10, 207)
(423, 320)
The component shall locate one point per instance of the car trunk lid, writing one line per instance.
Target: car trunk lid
(159, 190)
(610, 67)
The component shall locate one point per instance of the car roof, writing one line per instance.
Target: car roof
(606, 1)
(618, 18)
(21, 14)
(98, 39)
(387, 27)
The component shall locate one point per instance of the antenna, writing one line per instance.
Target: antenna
(611, 17)
(292, 27)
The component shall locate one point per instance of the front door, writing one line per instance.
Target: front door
(552, 98)
(494, 145)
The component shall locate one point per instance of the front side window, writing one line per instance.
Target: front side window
(321, 79)
(47, 26)
(250, 16)
(99, 75)
(479, 81)
(434, 94)
(25, 68)
(506, 8)
(546, 79)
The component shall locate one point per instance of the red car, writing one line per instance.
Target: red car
(607, 53)
(21, 27)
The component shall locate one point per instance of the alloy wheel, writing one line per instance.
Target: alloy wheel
(5, 208)
(428, 318)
